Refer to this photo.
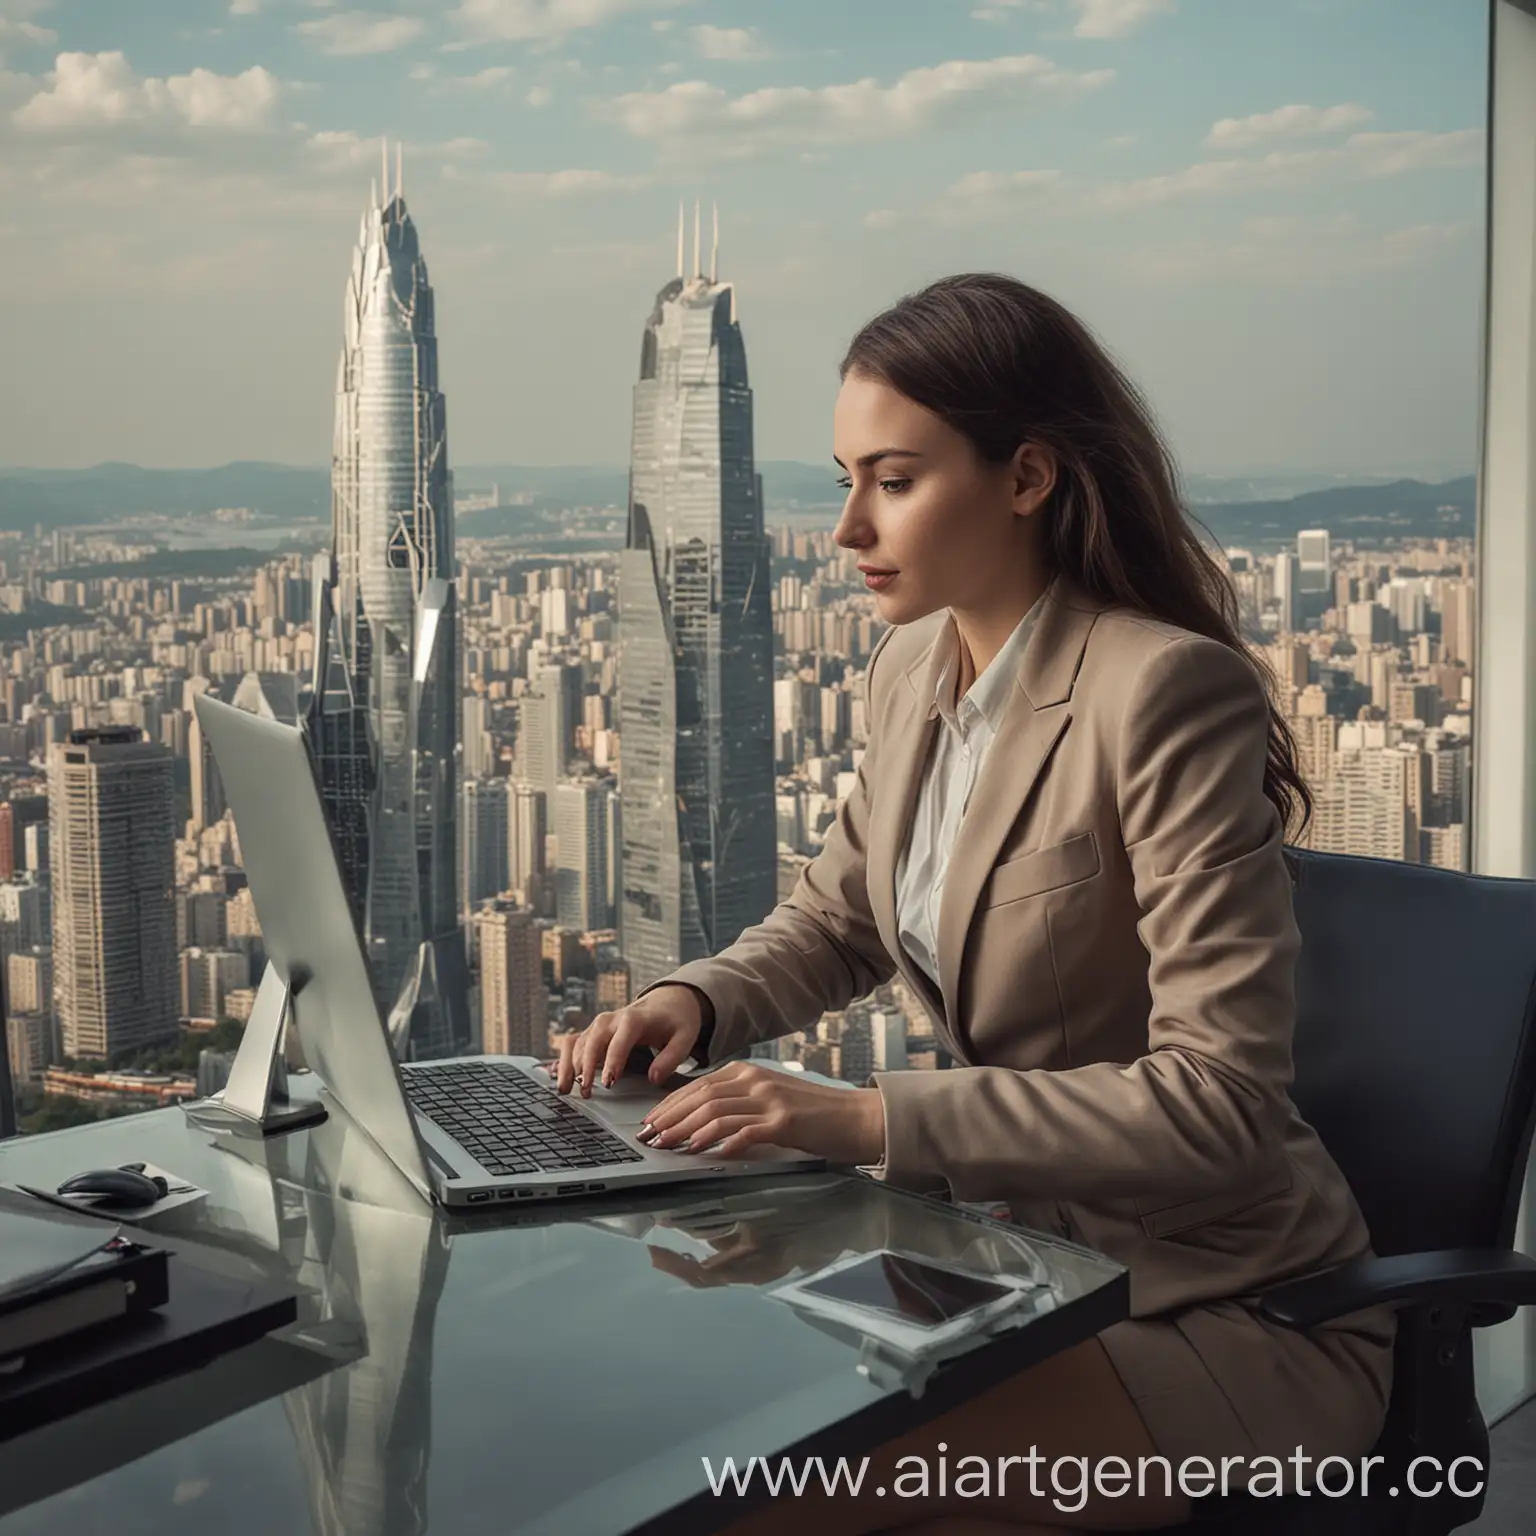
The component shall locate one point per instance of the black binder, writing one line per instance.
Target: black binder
(201, 1316)
(123, 1278)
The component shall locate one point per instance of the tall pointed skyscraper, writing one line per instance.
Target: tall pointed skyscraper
(385, 718)
(699, 859)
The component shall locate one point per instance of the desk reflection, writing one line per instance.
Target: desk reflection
(557, 1320)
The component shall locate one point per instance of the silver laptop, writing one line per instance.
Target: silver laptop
(466, 1131)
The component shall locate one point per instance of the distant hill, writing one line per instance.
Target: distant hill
(106, 493)
(1400, 509)
(1256, 510)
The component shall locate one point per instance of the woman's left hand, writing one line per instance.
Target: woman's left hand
(741, 1105)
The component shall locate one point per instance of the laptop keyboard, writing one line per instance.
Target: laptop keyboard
(508, 1122)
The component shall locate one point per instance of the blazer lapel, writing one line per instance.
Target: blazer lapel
(1037, 713)
(908, 729)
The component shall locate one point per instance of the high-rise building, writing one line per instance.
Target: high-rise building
(1313, 561)
(208, 800)
(1365, 807)
(696, 640)
(1287, 592)
(15, 817)
(581, 861)
(486, 840)
(112, 808)
(385, 717)
(479, 754)
(527, 831)
(514, 1007)
(544, 728)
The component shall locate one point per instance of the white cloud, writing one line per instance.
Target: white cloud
(1365, 155)
(732, 45)
(1116, 18)
(988, 184)
(539, 96)
(982, 195)
(1001, 10)
(1288, 251)
(349, 34)
(332, 153)
(568, 183)
(1388, 154)
(523, 21)
(1288, 122)
(16, 24)
(699, 114)
(92, 90)
(244, 7)
(342, 150)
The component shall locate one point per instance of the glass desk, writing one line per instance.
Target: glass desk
(558, 1371)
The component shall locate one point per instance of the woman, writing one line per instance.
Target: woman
(1066, 836)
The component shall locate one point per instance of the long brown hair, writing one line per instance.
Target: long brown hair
(1004, 364)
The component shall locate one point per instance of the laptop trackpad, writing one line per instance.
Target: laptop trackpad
(627, 1103)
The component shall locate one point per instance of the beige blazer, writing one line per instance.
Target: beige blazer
(1117, 950)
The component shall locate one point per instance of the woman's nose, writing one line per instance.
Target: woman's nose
(852, 531)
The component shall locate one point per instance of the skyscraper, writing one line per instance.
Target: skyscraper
(581, 864)
(112, 810)
(527, 838)
(696, 641)
(385, 716)
(513, 1002)
(1313, 561)
(486, 837)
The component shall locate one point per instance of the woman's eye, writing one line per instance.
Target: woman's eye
(895, 486)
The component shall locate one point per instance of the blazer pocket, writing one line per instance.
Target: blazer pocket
(1163, 1220)
(1046, 869)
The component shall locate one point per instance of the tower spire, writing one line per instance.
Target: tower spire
(399, 168)
(714, 246)
(384, 148)
(698, 269)
(679, 237)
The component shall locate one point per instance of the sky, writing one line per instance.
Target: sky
(1269, 211)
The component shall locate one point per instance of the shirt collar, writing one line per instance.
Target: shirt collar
(988, 694)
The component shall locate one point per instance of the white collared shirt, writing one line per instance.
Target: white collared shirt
(959, 748)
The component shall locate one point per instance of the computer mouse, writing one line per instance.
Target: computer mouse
(120, 1187)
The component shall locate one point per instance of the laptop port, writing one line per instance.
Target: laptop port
(570, 1189)
(595, 1187)
(479, 1195)
(507, 1194)
(522, 1194)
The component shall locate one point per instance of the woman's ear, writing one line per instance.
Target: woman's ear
(1034, 478)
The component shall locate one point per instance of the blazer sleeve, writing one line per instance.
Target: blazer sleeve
(819, 949)
(1203, 1110)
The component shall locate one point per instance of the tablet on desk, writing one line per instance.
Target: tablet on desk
(917, 1293)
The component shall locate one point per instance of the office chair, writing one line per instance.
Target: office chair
(1415, 1061)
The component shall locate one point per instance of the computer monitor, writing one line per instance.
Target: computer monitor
(307, 927)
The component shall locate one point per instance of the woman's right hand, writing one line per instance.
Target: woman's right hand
(667, 1020)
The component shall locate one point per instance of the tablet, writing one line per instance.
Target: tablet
(916, 1293)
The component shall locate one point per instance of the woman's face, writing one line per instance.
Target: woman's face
(952, 530)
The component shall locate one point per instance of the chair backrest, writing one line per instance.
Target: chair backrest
(1416, 1043)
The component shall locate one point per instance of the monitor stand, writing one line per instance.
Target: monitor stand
(256, 1101)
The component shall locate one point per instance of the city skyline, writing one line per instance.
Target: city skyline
(1272, 214)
